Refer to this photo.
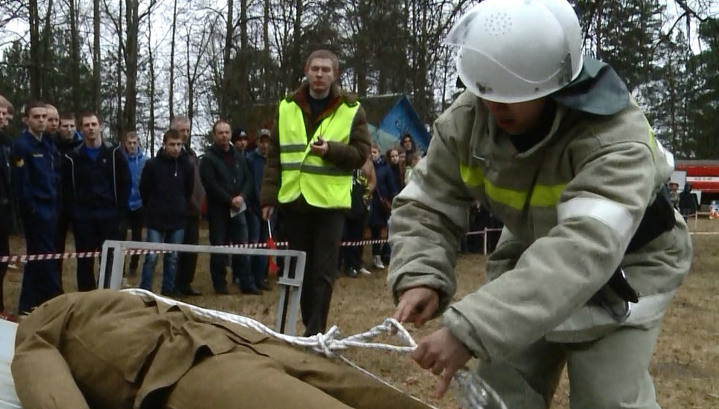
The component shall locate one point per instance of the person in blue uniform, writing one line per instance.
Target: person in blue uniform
(36, 184)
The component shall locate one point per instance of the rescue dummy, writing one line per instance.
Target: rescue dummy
(109, 349)
(592, 253)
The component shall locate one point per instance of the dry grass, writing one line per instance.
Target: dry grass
(685, 365)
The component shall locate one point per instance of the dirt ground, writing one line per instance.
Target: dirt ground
(685, 368)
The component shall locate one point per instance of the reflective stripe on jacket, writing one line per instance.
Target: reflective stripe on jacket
(320, 182)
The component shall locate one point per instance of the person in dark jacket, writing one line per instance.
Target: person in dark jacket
(257, 228)
(187, 261)
(66, 140)
(396, 162)
(6, 197)
(687, 201)
(165, 188)
(36, 186)
(381, 206)
(228, 184)
(98, 184)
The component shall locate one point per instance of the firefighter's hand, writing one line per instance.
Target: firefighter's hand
(417, 305)
(442, 353)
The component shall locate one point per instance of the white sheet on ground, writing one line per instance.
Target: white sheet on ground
(8, 397)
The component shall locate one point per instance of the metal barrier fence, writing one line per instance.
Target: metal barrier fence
(289, 280)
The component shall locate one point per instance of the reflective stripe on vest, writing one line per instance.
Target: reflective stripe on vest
(321, 183)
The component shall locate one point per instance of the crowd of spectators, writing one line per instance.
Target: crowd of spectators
(60, 174)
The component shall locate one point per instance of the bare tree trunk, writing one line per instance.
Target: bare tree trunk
(267, 61)
(129, 113)
(120, 59)
(151, 122)
(243, 87)
(295, 63)
(171, 95)
(600, 31)
(421, 97)
(96, 55)
(227, 72)
(194, 69)
(190, 89)
(35, 57)
(672, 89)
(46, 55)
(74, 57)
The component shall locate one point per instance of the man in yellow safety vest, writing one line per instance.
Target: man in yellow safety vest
(319, 137)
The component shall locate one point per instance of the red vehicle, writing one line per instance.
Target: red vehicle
(703, 175)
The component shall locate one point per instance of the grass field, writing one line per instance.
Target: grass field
(685, 365)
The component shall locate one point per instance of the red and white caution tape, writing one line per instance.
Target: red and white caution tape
(24, 258)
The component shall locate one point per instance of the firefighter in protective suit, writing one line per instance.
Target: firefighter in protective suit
(591, 253)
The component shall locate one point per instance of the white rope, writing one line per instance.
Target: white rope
(476, 392)
(327, 343)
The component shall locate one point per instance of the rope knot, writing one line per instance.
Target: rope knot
(328, 342)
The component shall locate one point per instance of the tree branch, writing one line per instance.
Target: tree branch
(688, 11)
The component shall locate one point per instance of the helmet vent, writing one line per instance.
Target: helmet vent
(497, 24)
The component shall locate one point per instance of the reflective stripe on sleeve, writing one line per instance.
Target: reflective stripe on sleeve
(612, 214)
(649, 309)
(457, 212)
(667, 155)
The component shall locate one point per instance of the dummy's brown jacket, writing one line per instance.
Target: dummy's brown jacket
(63, 339)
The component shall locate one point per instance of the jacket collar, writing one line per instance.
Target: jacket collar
(103, 146)
(138, 154)
(218, 151)
(597, 90)
(336, 96)
(32, 137)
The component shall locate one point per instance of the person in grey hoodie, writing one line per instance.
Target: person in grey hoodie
(134, 215)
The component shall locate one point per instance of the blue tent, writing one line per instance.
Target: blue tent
(402, 119)
(382, 138)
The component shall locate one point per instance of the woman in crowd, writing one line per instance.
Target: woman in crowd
(396, 165)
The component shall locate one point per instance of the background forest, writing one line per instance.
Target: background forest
(140, 62)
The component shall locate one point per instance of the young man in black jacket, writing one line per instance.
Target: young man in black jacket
(6, 208)
(165, 188)
(187, 262)
(228, 183)
(65, 140)
(97, 181)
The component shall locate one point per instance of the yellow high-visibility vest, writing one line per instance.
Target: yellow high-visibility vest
(321, 183)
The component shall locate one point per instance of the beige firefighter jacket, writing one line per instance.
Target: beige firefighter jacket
(570, 206)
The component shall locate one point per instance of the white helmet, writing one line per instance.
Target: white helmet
(518, 50)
